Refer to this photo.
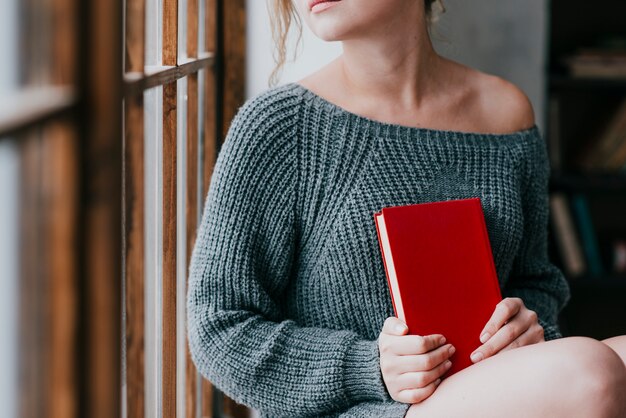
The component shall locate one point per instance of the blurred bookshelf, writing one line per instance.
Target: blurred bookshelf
(586, 136)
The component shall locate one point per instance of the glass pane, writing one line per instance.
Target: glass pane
(35, 30)
(8, 44)
(182, 30)
(201, 26)
(201, 128)
(153, 165)
(181, 241)
(154, 32)
(199, 197)
(9, 188)
(9, 276)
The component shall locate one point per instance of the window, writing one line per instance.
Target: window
(112, 113)
(46, 205)
(176, 100)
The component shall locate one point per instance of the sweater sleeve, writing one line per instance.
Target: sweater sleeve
(374, 409)
(241, 264)
(539, 283)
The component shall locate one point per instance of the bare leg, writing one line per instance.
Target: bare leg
(568, 377)
(618, 344)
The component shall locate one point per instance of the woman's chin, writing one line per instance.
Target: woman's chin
(330, 34)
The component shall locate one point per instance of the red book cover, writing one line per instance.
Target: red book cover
(440, 271)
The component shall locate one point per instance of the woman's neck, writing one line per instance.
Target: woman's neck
(400, 66)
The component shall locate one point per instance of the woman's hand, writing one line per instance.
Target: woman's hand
(512, 325)
(411, 365)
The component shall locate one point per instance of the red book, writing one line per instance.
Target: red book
(440, 271)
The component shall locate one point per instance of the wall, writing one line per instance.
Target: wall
(502, 38)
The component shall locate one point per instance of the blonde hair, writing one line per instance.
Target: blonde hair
(283, 14)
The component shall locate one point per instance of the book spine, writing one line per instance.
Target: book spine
(382, 253)
(609, 139)
(603, 143)
(619, 256)
(618, 157)
(566, 238)
(554, 138)
(587, 233)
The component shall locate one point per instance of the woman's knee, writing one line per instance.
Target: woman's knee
(598, 375)
(617, 344)
(569, 377)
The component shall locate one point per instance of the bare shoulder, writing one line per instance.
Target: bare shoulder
(503, 104)
(486, 102)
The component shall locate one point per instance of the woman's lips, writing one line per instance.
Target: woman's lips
(317, 6)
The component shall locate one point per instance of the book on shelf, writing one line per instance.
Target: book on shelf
(597, 62)
(577, 241)
(588, 236)
(440, 271)
(554, 134)
(619, 256)
(617, 159)
(607, 150)
(566, 236)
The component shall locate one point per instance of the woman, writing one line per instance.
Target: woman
(288, 306)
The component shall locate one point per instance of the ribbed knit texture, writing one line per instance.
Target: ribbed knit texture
(287, 289)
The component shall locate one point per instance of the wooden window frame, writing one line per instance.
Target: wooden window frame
(64, 123)
(222, 64)
(95, 212)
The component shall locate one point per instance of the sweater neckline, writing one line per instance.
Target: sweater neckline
(385, 129)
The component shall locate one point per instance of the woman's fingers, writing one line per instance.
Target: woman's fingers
(412, 344)
(532, 335)
(394, 340)
(507, 308)
(411, 364)
(394, 326)
(426, 361)
(408, 344)
(417, 395)
(417, 380)
(508, 333)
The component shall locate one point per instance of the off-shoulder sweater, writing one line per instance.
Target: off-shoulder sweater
(287, 290)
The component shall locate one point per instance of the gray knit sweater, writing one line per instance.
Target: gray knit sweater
(287, 290)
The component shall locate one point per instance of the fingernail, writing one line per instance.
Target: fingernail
(477, 356)
(442, 340)
(484, 337)
(451, 350)
(400, 328)
(447, 364)
(437, 382)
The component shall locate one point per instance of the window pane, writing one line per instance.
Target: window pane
(153, 128)
(154, 32)
(9, 276)
(9, 243)
(181, 240)
(182, 30)
(201, 26)
(201, 127)
(8, 44)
